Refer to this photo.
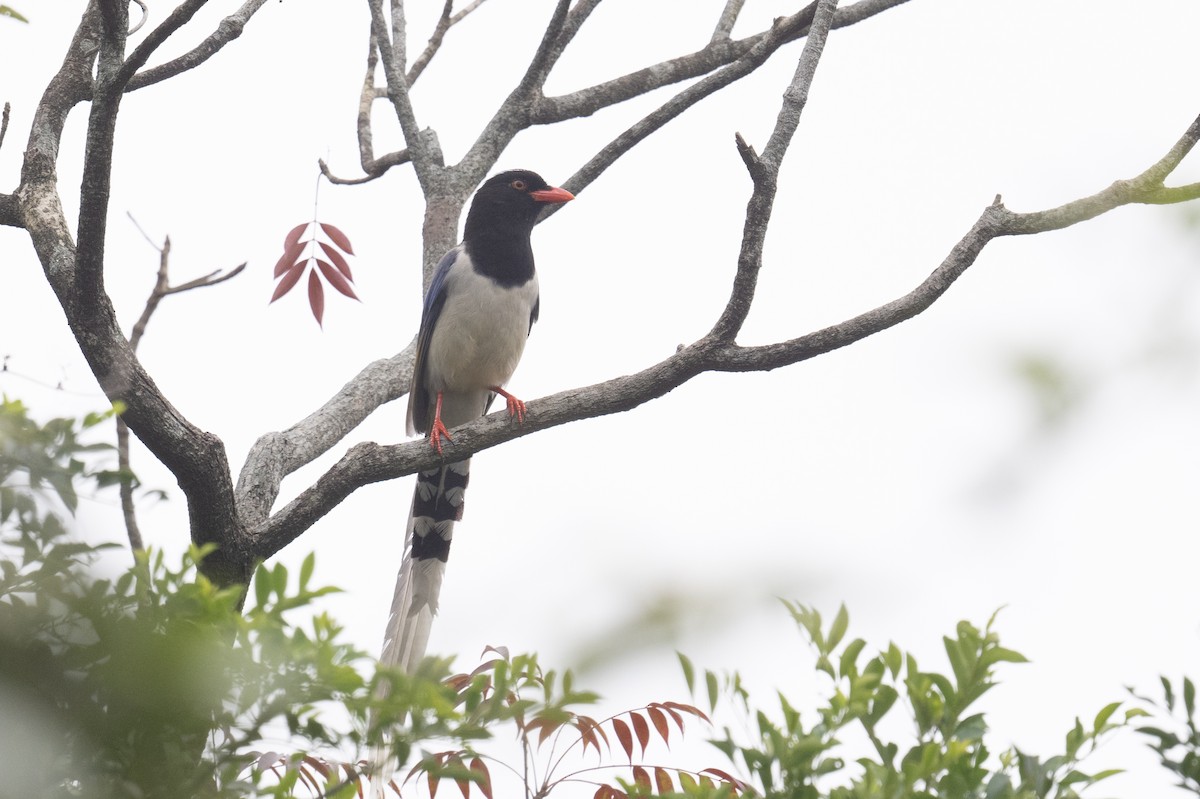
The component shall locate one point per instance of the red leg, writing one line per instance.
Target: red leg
(437, 430)
(515, 406)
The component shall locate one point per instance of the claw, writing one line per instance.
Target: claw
(515, 406)
(438, 431)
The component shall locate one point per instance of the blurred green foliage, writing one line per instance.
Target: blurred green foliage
(153, 683)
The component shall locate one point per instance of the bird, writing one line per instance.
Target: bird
(478, 311)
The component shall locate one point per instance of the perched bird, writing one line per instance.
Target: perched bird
(480, 308)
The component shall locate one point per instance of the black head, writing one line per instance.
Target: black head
(501, 218)
(511, 199)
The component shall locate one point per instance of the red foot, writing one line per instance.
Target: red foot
(515, 406)
(438, 431)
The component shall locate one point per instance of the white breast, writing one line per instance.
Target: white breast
(480, 333)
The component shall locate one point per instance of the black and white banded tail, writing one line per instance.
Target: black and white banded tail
(437, 504)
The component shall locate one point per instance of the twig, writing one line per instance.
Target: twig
(228, 29)
(4, 121)
(764, 172)
(142, 21)
(445, 22)
(779, 35)
(423, 153)
(162, 288)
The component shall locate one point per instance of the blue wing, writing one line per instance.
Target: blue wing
(420, 409)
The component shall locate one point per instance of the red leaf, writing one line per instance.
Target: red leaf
(641, 729)
(339, 238)
(695, 711)
(587, 732)
(290, 254)
(624, 736)
(659, 719)
(316, 296)
(307, 779)
(663, 778)
(319, 765)
(675, 715)
(289, 281)
(338, 260)
(433, 784)
(642, 777)
(336, 279)
(724, 776)
(485, 778)
(293, 235)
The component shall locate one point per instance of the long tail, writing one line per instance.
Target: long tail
(437, 504)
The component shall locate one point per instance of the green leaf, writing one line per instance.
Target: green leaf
(689, 672)
(837, 631)
(1168, 694)
(262, 586)
(1103, 716)
(999, 654)
(894, 659)
(847, 664)
(306, 569)
(1189, 697)
(710, 681)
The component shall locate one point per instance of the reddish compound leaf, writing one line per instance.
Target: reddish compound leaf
(290, 254)
(663, 779)
(338, 259)
(289, 281)
(485, 778)
(433, 781)
(659, 720)
(641, 777)
(339, 238)
(641, 729)
(624, 736)
(293, 235)
(336, 279)
(316, 296)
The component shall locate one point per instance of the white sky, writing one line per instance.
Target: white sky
(906, 476)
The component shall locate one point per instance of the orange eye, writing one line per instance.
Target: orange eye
(519, 185)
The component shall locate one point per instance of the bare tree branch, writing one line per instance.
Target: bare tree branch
(276, 455)
(727, 20)
(764, 172)
(717, 53)
(424, 153)
(446, 21)
(228, 29)
(782, 32)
